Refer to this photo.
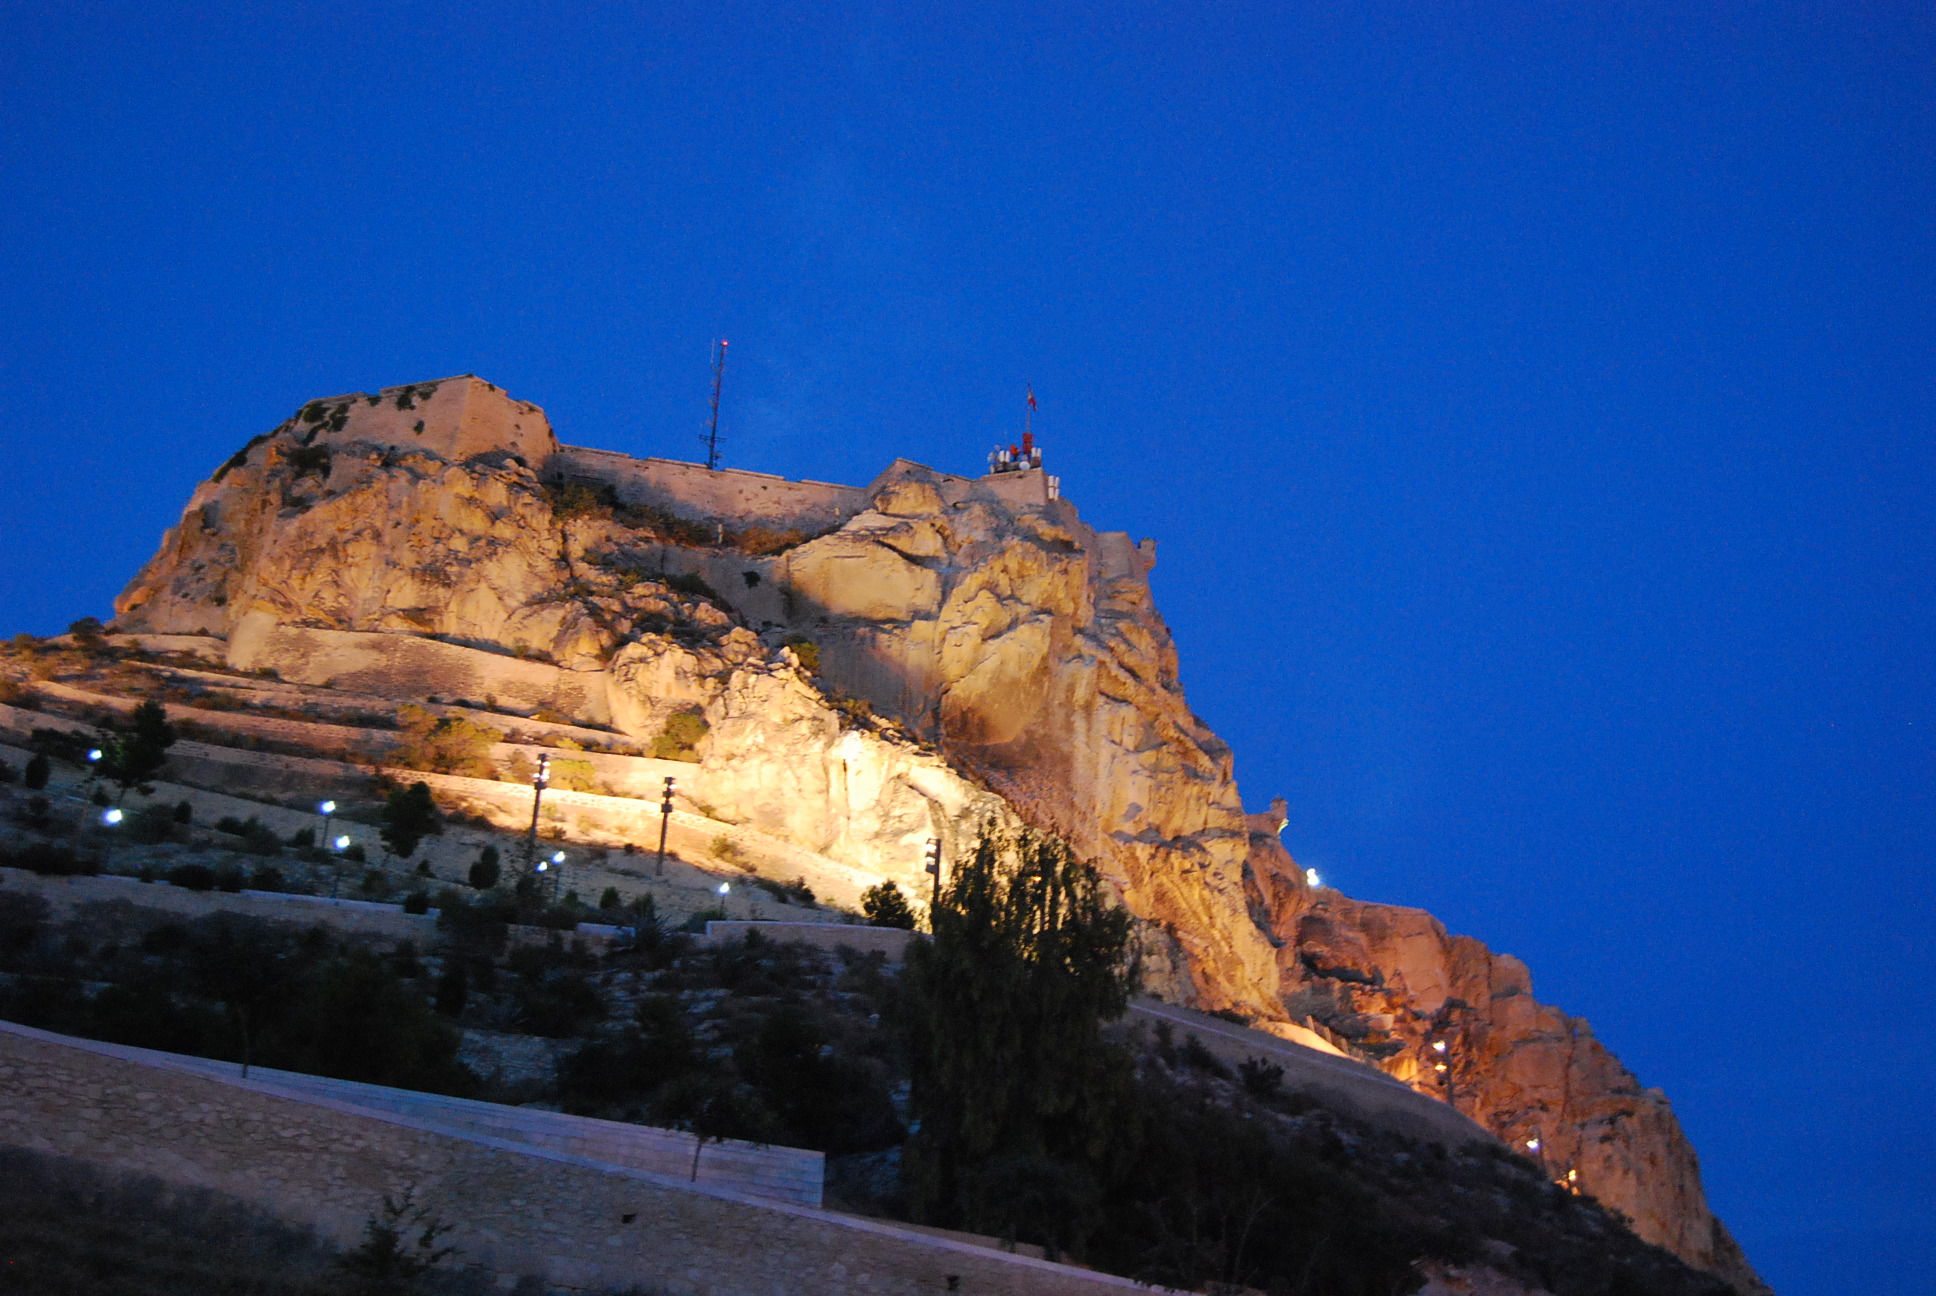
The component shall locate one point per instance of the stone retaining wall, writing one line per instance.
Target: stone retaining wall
(570, 1220)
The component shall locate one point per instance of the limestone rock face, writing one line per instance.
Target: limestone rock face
(953, 652)
(1391, 981)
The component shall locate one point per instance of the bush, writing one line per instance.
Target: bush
(445, 744)
(570, 775)
(680, 738)
(38, 768)
(417, 902)
(486, 871)
(885, 906)
(192, 877)
(152, 824)
(609, 900)
(806, 650)
(691, 584)
(49, 858)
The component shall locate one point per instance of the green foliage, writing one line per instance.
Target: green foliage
(572, 775)
(885, 906)
(485, 870)
(71, 1229)
(1009, 1073)
(806, 650)
(445, 744)
(609, 900)
(409, 815)
(309, 461)
(241, 457)
(136, 751)
(691, 584)
(51, 859)
(577, 499)
(679, 740)
(400, 1245)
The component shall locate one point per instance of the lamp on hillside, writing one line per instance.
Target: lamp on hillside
(665, 818)
(1442, 1063)
(538, 782)
(725, 888)
(933, 867)
(325, 809)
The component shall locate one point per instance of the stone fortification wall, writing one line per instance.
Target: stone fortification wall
(763, 1170)
(455, 418)
(729, 495)
(517, 1210)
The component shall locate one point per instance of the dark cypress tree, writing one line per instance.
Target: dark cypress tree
(134, 753)
(409, 815)
(1012, 1081)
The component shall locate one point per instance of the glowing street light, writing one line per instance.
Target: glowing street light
(724, 888)
(1442, 1063)
(341, 844)
(1311, 879)
(112, 817)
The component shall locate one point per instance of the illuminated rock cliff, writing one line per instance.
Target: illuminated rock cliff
(877, 665)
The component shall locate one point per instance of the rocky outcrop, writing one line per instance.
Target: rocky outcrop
(954, 650)
(1394, 984)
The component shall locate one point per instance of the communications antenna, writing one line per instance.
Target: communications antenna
(712, 430)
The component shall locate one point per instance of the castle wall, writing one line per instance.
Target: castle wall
(459, 417)
(517, 1210)
(732, 496)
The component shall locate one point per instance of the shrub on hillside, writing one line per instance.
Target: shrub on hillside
(885, 906)
(50, 859)
(444, 744)
(679, 740)
(569, 774)
(193, 877)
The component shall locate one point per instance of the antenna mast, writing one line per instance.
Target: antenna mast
(712, 431)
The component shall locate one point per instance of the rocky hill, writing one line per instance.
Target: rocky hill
(874, 667)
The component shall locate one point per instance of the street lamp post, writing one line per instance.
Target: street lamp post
(725, 889)
(1442, 1063)
(341, 844)
(326, 809)
(933, 866)
(665, 818)
(538, 781)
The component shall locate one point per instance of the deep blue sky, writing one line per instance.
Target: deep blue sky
(1533, 404)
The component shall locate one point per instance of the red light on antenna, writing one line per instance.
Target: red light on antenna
(722, 342)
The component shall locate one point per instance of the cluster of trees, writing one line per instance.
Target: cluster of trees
(242, 989)
(1034, 1123)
